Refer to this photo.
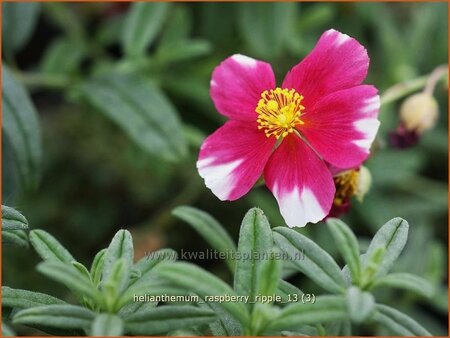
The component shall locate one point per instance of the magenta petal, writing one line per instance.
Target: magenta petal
(237, 84)
(337, 62)
(342, 126)
(232, 159)
(300, 181)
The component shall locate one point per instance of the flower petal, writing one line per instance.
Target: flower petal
(232, 159)
(300, 181)
(342, 126)
(237, 84)
(336, 62)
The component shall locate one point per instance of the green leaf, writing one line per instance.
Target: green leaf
(82, 269)
(107, 325)
(225, 325)
(16, 237)
(348, 246)
(310, 259)
(266, 26)
(209, 228)
(49, 248)
(167, 318)
(120, 248)
(392, 237)
(16, 298)
(262, 314)
(19, 20)
(116, 282)
(406, 281)
(148, 262)
(268, 277)
(324, 309)
(58, 316)
(255, 243)
(135, 307)
(142, 24)
(360, 304)
(61, 15)
(97, 266)
(183, 51)
(22, 133)
(7, 331)
(286, 290)
(62, 57)
(12, 219)
(398, 323)
(137, 106)
(173, 34)
(110, 29)
(70, 277)
(196, 280)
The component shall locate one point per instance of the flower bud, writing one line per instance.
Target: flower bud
(364, 183)
(419, 112)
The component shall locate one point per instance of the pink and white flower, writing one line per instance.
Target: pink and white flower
(321, 116)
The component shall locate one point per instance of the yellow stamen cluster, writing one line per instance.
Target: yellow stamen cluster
(279, 111)
(346, 186)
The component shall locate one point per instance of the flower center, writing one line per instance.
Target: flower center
(279, 111)
(346, 186)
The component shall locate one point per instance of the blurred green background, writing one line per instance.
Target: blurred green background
(100, 172)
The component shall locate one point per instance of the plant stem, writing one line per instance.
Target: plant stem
(43, 80)
(402, 89)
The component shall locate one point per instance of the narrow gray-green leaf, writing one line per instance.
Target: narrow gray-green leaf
(7, 331)
(303, 331)
(255, 243)
(107, 325)
(360, 304)
(287, 291)
(70, 277)
(82, 269)
(398, 323)
(153, 287)
(121, 247)
(117, 280)
(324, 309)
(136, 307)
(63, 56)
(17, 298)
(21, 129)
(58, 316)
(226, 324)
(310, 259)
(406, 281)
(392, 236)
(142, 110)
(184, 51)
(179, 32)
(268, 276)
(12, 219)
(167, 318)
(142, 24)
(152, 259)
(97, 266)
(210, 229)
(19, 20)
(196, 280)
(16, 237)
(49, 248)
(347, 245)
(266, 27)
